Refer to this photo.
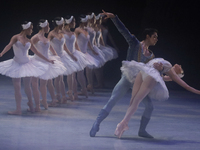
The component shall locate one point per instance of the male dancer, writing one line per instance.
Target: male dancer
(137, 51)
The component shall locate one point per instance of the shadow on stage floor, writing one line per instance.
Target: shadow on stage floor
(174, 123)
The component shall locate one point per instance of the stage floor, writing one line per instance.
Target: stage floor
(175, 124)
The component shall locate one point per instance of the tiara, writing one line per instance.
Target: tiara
(26, 26)
(44, 24)
(91, 16)
(60, 22)
(85, 19)
(68, 21)
(97, 17)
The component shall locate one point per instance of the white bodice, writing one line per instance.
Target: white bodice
(58, 45)
(82, 42)
(43, 48)
(21, 52)
(92, 34)
(70, 42)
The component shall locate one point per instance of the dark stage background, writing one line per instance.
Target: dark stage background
(177, 23)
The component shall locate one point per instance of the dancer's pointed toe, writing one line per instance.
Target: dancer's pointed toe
(121, 127)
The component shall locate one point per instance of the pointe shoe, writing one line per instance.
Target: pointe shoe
(59, 98)
(85, 92)
(70, 94)
(44, 103)
(75, 96)
(90, 88)
(31, 108)
(81, 92)
(14, 112)
(64, 100)
(37, 109)
(121, 127)
(53, 103)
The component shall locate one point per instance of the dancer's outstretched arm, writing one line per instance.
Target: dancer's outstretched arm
(130, 38)
(172, 74)
(10, 44)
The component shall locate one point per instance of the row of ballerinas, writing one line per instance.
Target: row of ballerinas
(63, 52)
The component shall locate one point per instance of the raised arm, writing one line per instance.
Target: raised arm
(171, 73)
(8, 47)
(130, 38)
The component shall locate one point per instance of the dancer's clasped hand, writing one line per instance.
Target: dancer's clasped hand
(158, 66)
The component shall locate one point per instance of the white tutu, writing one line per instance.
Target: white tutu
(82, 61)
(107, 52)
(68, 62)
(21, 65)
(54, 70)
(131, 68)
(14, 69)
(100, 57)
(114, 52)
(82, 42)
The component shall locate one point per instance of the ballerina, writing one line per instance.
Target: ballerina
(58, 43)
(84, 42)
(107, 37)
(138, 51)
(101, 57)
(70, 40)
(54, 70)
(100, 41)
(108, 52)
(21, 66)
(148, 81)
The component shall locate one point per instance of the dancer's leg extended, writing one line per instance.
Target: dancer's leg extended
(144, 88)
(118, 92)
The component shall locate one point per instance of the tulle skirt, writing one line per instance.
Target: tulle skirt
(108, 52)
(131, 68)
(69, 63)
(15, 69)
(100, 57)
(82, 60)
(114, 51)
(54, 70)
